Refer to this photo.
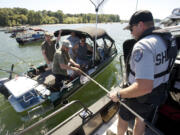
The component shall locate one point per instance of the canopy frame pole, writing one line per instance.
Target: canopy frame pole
(96, 10)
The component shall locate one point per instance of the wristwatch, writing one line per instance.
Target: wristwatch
(118, 95)
(49, 65)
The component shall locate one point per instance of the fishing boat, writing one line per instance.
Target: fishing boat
(34, 91)
(14, 32)
(30, 36)
(15, 29)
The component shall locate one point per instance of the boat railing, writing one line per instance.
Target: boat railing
(86, 110)
(34, 109)
(122, 67)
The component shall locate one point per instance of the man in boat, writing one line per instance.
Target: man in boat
(148, 74)
(48, 48)
(73, 39)
(81, 50)
(61, 64)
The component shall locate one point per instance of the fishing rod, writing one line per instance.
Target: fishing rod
(7, 71)
(29, 64)
(96, 10)
(136, 5)
(127, 107)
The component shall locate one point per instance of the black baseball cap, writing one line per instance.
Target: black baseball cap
(141, 15)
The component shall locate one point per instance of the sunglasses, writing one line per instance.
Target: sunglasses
(131, 27)
(82, 40)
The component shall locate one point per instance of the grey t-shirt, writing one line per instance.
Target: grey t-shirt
(60, 57)
(73, 41)
(149, 57)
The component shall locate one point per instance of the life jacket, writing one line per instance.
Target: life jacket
(158, 94)
(82, 52)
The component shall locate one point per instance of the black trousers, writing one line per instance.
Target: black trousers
(59, 81)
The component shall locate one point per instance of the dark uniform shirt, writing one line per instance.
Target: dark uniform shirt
(49, 49)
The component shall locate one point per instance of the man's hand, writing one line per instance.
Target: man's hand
(113, 96)
(77, 70)
(49, 66)
(77, 65)
(59, 36)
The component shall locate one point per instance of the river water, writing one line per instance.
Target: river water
(22, 56)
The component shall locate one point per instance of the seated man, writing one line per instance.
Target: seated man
(60, 64)
(81, 50)
(73, 39)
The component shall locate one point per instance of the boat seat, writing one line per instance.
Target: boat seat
(127, 48)
(46, 78)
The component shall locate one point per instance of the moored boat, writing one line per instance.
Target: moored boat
(30, 36)
(15, 29)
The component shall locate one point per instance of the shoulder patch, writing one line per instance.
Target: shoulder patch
(138, 54)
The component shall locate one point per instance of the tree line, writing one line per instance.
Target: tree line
(23, 16)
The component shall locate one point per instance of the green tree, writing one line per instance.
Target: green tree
(34, 18)
(59, 15)
(3, 18)
(22, 16)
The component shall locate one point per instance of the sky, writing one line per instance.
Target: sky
(124, 8)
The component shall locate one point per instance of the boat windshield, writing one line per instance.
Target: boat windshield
(173, 19)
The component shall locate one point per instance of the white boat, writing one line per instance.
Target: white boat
(26, 96)
(30, 36)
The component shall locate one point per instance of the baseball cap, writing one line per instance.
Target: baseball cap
(48, 34)
(66, 43)
(141, 15)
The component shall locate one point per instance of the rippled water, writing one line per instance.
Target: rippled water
(22, 56)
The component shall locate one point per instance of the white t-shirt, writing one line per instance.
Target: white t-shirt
(149, 57)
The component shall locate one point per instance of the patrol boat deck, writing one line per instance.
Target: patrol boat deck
(85, 121)
(95, 120)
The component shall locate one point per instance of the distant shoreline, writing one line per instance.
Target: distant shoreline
(23, 16)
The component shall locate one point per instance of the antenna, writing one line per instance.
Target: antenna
(96, 10)
(136, 5)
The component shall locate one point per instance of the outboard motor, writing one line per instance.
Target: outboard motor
(3, 89)
(10, 75)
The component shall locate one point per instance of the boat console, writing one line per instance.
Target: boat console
(25, 93)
